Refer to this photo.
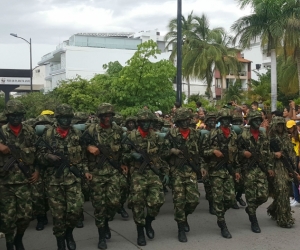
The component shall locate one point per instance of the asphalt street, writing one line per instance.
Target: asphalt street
(204, 233)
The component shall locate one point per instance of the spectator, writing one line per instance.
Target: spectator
(286, 114)
(265, 122)
(254, 106)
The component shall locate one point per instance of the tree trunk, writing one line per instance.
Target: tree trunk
(273, 80)
(298, 66)
(189, 87)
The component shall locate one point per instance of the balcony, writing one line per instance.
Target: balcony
(55, 67)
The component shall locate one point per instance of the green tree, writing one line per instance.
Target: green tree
(144, 82)
(266, 24)
(261, 88)
(234, 92)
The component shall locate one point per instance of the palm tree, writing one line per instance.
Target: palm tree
(267, 25)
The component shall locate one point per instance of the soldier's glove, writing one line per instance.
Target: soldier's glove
(138, 157)
(53, 158)
(175, 151)
(166, 180)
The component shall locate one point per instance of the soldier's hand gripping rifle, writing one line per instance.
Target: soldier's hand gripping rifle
(255, 159)
(187, 158)
(285, 159)
(106, 153)
(145, 157)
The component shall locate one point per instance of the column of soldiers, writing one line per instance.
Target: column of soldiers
(57, 164)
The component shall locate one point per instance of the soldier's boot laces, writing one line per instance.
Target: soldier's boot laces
(211, 209)
(40, 223)
(61, 243)
(141, 240)
(102, 240)
(149, 230)
(10, 246)
(107, 230)
(70, 240)
(18, 242)
(123, 213)
(254, 224)
(186, 224)
(224, 230)
(181, 232)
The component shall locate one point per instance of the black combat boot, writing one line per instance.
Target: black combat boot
(240, 199)
(211, 208)
(186, 224)
(45, 219)
(141, 240)
(40, 223)
(149, 230)
(70, 240)
(254, 223)
(61, 243)
(181, 232)
(224, 230)
(18, 242)
(107, 230)
(102, 240)
(10, 246)
(235, 206)
(79, 224)
(123, 213)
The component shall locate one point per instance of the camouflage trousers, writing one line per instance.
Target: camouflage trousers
(39, 199)
(207, 188)
(66, 204)
(185, 196)
(223, 194)
(124, 189)
(146, 191)
(256, 188)
(105, 197)
(16, 209)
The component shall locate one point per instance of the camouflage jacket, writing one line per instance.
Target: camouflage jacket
(191, 148)
(70, 147)
(111, 139)
(215, 140)
(151, 144)
(260, 150)
(23, 147)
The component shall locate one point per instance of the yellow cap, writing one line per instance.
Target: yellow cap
(290, 123)
(47, 112)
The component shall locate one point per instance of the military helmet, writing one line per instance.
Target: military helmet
(118, 118)
(210, 115)
(64, 110)
(254, 114)
(224, 113)
(14, 107)
(182, 114)
(80, 117)
(30, 122)
(105, 108)
(277, 120)
(130, 118)
(145, 115)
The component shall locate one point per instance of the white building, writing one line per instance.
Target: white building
(261, 60)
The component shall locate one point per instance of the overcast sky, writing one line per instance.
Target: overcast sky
(49, 22)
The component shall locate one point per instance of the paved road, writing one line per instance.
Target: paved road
(204, 234)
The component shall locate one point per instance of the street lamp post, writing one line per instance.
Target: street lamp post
(29, 42)
(179, 52)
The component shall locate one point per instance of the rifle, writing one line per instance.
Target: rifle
(223, 163)
(105, 153)
(146, 159)
(285, 159)
(187, 159)
(15, 158)
(255, 157)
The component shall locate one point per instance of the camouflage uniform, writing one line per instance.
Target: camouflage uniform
(105, 185)
(64, 192)
(146, 188)
(221, 179)
(205, 164)
(183, 178)
(15, 190)
(280, 209)
(255, 178)
(80, 118)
